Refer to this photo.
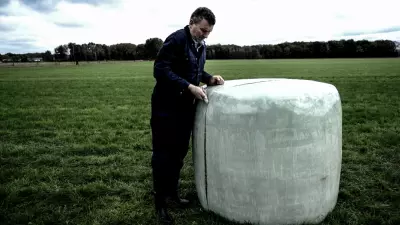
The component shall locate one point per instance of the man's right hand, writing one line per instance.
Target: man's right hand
(198, 92)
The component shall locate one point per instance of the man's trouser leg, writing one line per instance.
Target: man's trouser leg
(182, 147)
(171, 136)
(161, 162)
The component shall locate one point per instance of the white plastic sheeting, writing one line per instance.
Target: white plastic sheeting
(269, 151)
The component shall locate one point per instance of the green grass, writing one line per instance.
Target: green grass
(75, 142)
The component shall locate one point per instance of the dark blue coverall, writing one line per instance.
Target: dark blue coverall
(178, 64)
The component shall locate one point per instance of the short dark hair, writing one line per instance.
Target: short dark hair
(202, 13)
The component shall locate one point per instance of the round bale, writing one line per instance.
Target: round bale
(269, 151)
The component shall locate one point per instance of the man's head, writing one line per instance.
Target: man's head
(201, 23)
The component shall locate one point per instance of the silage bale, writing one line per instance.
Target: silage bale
(269, 151)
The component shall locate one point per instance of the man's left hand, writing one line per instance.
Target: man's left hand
(216, 80)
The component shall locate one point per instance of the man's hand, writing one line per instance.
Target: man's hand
(198, 92)
(216, 80)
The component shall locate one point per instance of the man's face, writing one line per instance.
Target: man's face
(201, 30)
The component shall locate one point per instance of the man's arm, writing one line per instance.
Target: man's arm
(206, 78)
(162, 65)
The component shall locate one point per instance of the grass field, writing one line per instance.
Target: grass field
(75, 142)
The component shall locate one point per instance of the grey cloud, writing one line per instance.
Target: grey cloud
(6, 27)
(45, 6)
(68, 24)
(389, 30)
(41, 5)
(4, 3)
(18, 45)
(92, 2)
(17, 41)
(176, 26)
(384, 30)
(353, 33)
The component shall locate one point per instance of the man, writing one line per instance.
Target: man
(178, 70)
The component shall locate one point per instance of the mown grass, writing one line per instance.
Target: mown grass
(75, 141)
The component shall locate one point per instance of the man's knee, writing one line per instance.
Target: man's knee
(160, 160)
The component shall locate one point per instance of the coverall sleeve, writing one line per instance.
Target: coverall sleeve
(162, 65)
(206, 78)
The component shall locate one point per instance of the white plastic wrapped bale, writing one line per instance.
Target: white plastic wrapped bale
(269, 151)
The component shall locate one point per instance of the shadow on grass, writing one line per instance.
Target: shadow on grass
(196, 214)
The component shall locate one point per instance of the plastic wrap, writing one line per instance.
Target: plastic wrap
(269, 151)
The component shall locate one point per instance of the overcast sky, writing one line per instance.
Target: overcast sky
(40, 25)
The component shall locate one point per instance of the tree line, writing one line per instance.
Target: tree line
(148, 51)
(317, 49)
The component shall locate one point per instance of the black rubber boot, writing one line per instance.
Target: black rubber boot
(163, 217)
(174, 199)
(177, 202)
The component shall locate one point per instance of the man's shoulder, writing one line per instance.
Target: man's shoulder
(178, 36)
